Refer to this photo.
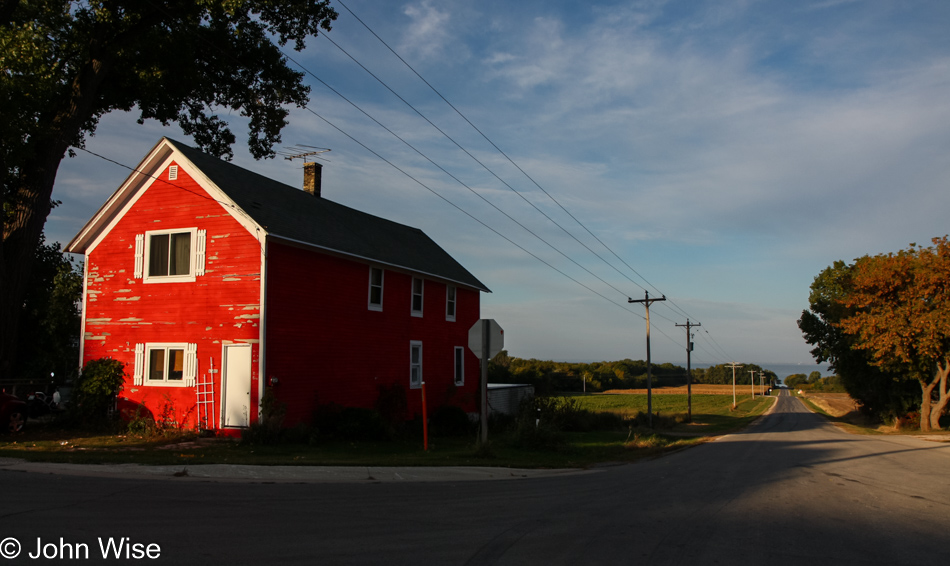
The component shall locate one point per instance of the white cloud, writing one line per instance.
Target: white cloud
(427, 35)
(728, 151)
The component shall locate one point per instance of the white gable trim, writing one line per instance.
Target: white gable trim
(236, 212)
(147, 173)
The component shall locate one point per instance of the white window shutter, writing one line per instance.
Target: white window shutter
(200, 247)
(139, 255)
(191, 364)
(139, 364)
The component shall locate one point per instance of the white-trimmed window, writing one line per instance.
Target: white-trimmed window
(417, 286)
(415, 364)
(375, 289)
(459, 365)
(450, 292)
(170, 255)
(166, 364)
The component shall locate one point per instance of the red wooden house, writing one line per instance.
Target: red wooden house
(212, 283)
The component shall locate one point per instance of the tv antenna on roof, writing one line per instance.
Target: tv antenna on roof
(301, 152)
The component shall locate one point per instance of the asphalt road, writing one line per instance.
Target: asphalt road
(792, 489)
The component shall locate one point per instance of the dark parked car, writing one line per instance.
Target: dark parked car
(12, 413)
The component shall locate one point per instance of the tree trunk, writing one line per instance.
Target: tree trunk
(30, 201)
(925, 405)
(940, 380)
(21, 235)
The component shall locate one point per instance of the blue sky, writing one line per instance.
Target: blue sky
(727, 151)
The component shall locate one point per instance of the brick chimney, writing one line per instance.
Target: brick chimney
(312, 175)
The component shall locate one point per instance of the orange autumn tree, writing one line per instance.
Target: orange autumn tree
(902, 318)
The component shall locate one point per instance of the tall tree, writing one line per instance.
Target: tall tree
(66, 63)
(50, 319)
(901, 303)
(881, 394)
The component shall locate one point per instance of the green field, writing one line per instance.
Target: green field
(711, 414)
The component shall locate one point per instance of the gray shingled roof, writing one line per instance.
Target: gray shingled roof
(290, 213)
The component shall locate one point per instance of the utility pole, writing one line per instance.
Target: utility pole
(734, 365)
(689, 374)
(647, 301)
(752, 381)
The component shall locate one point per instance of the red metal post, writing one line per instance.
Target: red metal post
(425, 421)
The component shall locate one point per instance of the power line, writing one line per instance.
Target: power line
(502, 152)
(510, 160)
(226, 53)
(459, 181)
(716, 344)
(463, 211)
(480, 162)
(324, 83)
(202, 194)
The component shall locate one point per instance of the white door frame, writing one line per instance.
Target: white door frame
(244, 386)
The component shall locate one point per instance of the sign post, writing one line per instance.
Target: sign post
(485, 339)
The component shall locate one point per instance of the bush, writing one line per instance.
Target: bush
(140, 425)
(362, 424)
(529, 433)
(567, 415)
(269, 429)
(659, 421)
(449, 420)
(96, 390)
(537, 423)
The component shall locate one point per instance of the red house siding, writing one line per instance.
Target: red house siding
(220, 307)
(324, 345)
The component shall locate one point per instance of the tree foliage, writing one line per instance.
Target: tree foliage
(549, 377)
(795, 380)
(722, 374)
(900, 304)
(66, 63)
(880, 394)
(48, 341)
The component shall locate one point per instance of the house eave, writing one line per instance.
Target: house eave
(374, 261)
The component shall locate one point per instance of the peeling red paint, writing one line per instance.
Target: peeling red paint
(127, 311)
(323, 343)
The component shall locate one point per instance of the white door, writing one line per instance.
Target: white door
(236, 385)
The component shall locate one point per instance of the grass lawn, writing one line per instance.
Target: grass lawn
(712, 414)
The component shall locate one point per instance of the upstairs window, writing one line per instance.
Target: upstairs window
(450, 302)
(170, 255)
(416, 296)
(375, 289)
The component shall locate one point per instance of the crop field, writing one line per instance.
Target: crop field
(835, 404)
(698, 389)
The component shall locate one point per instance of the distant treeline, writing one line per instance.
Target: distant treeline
(814, 382)
(549, 377)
